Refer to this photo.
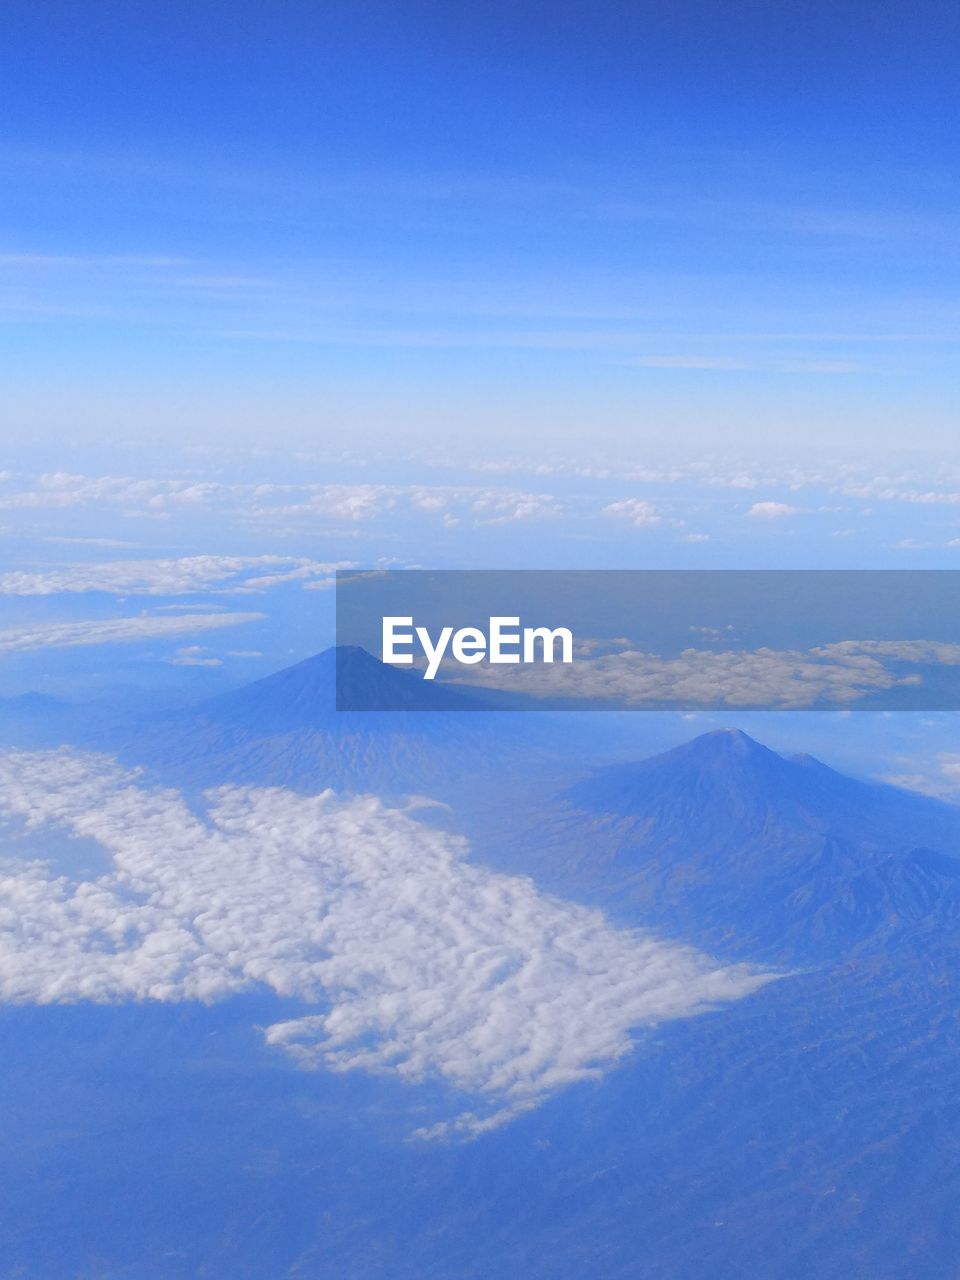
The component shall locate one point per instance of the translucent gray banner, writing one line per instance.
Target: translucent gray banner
(648, 640)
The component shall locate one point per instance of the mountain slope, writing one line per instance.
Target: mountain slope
(738, 848)
(727, 789)
(285, 730)
(304, 696)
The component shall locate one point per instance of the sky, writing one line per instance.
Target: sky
(295, 286)
(287, 287)
(417, 223)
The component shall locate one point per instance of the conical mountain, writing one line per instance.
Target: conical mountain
(306, 694)
(286, 730)
(739, 848)
(729, 790)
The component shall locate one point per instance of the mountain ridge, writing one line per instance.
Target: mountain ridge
(748, 852)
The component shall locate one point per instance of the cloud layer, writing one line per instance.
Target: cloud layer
(69, 635)
(186, 575)
(830, 675)
(418, 963)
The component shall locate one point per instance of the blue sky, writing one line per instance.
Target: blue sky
(299, 285)
(410, 222)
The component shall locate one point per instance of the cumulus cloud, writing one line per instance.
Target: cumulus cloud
(351, 502)
(68, 635)
(183, 576)
(63, 490)
(504, 506)
(638, 511)
(296, 502)
(418, 963)
(940, 652)
(159, 497)
(301, 501)
(834, 675)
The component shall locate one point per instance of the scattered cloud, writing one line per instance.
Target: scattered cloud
(640, 513)
(194, 655)
(832, 675)
(184, 576)
(420, 964)
(921, 651)
(497, 506)
(68, 635)
(943, 780)
(698, 489)
(771, 510)
(297, 502)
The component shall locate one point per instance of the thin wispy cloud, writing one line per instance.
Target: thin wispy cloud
(45, 261)
(188, 575)
(771, 511)
(110, 631)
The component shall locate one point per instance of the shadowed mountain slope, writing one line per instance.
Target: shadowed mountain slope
(285, 730)
(736, 847)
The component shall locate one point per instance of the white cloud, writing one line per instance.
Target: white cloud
(504, 506)
(61, 489)
(158, 497)
(943, 780)
(419, 963)
(836, 675)
(68, 635)
(194, 655)
(771, 510)
(928, 651)
(184, 576)
(642, 514)
(352, 502)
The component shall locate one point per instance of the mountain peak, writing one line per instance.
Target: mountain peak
(722, 750)
(725, 787)
(305, 695)
(727, 739)
(723, 838)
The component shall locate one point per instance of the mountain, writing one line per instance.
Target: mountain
(727, 789)
(739, 848)
(305, 696)
(808, 1130)
(286, 730)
